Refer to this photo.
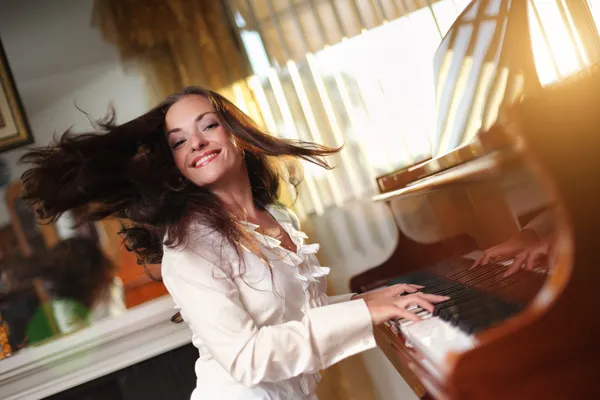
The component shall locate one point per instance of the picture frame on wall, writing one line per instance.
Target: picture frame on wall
(14, 128)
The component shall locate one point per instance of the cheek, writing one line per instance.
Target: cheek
(233, 157)
(233, 151)
(179, 159)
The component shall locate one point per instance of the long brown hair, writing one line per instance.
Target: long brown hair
(128, 171)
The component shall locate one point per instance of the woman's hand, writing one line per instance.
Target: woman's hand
(525, 248)
(389, 292)
(385, 309)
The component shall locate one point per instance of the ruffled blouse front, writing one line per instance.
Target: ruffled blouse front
(263, 331)
(308, 270)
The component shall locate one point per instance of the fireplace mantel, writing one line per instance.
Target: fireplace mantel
(107, 346)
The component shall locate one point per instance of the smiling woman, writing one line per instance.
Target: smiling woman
(206, 139)
(200, 182)
(131, 171)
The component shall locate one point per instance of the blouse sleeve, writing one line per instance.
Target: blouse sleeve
(210, 303)
(340, 298)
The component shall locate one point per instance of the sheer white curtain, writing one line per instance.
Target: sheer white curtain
(367, 87)
(371, 92)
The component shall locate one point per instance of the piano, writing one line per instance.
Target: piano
(535, 153)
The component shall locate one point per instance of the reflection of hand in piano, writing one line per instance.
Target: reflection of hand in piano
(525, 248)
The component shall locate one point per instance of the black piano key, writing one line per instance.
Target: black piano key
(484, 315)
(454, 300)
(437, 289)
(465, 327)
(414, 278)
(449, 291)
(468, 308)
(446, 313)
(471, 310)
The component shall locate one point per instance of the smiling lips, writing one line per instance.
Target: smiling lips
(205, 158)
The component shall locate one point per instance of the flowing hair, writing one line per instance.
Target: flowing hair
(127, 171)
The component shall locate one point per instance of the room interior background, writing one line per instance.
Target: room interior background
(331, 71)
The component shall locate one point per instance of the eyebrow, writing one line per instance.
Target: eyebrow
(198, 119)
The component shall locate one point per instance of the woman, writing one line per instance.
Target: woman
(200, 181)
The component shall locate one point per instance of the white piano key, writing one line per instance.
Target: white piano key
(436, 338)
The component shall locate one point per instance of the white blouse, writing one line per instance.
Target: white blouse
(262, 332)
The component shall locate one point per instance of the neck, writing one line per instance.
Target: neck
(235, 193)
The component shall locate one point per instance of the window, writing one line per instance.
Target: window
(361, 74)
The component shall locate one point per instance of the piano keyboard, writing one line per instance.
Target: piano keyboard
(479, 299)
(469, 309)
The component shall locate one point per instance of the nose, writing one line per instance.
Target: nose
(198, 142)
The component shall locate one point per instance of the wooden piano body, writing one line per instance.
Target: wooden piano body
(543, 156)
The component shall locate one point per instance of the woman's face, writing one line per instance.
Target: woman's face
(203, 150)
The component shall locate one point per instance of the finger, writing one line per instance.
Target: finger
(397, 289)
(516, 265)
(532, 258)
(410, 290)
(477, 262)
(485, 259)
(407, 289)
(433, 298)
(403, 313)
(493, 252)
(421, 302)
(414, 288)
(502, 251)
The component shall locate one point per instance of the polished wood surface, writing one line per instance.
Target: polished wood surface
(551, 350)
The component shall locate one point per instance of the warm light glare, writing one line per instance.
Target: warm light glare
(556, 45)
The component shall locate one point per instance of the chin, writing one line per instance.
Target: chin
(208, 179)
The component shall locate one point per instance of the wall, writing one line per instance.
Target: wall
(60, 63)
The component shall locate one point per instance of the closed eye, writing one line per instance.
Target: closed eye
(211, 126)
(177, 144)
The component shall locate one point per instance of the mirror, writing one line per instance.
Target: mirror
(65, 75)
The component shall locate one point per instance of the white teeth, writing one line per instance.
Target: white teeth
(204, 159)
